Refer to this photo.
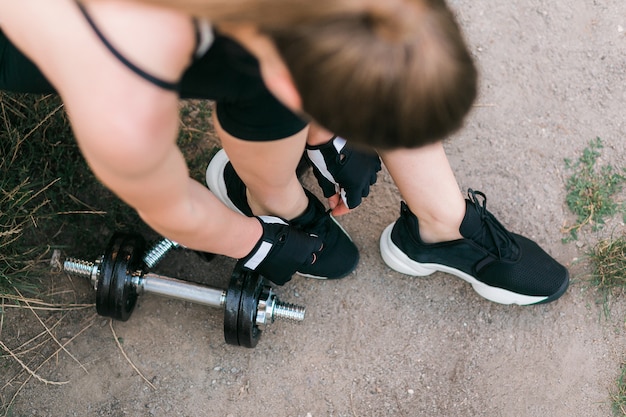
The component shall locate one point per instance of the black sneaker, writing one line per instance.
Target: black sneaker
(226, 185)
(338, 257)
(503, 267)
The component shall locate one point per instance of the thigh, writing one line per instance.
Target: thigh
(268, 169)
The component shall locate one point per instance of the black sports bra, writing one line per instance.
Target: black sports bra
(204, 39)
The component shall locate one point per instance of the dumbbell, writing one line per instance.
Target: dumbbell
(120, 275)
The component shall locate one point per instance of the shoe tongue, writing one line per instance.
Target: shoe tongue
(311, 214)
(487, 232)
(473, 228)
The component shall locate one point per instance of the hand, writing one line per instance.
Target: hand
(343, 171)
(281, 251)
(337, 206)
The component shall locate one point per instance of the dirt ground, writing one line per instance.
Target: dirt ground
(377, 342)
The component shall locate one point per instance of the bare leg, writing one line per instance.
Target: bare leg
(428, 186)
(500, 266)
(318, 135)
(269, 171)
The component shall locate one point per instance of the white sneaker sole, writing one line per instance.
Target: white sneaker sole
(215, 179)
(399, 261)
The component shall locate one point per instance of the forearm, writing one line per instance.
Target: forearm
(178, 207)
(132, 150)
(199, 221)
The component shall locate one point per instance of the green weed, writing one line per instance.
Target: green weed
(608, 258)
(590, 196)
(608, 274)
(590, 190)
(619, 396)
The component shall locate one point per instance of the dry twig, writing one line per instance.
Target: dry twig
(119, 345)
(46, 361)
(50, 333)
(27, 369)
(1, 317)
(45, 119)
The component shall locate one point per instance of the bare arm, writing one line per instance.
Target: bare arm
(125, 126)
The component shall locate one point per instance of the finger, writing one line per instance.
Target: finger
(328, 188)
(333, 201)
(340, 209)
(344, 196)
(354, 199)
(365, 192)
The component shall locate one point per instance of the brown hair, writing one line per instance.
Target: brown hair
(387, 73)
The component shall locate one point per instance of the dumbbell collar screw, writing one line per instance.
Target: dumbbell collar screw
(95, 272)
(158, 251)
(90, 270)
(265, 308)
(271, 308)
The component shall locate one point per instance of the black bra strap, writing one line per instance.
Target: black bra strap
(166, 85)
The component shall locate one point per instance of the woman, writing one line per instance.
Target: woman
(387, 75)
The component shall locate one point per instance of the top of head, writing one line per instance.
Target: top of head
(387, 73)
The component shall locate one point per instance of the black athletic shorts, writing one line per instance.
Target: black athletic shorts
(226, 74)
(17, 73)
(245, 108)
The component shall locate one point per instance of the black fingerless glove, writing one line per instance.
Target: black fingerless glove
(280, 251)
(340, 168)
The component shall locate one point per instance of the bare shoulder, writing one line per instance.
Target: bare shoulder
(58, 38)
(157, 37)
(108, 103)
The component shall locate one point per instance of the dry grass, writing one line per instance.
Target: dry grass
(26, 361)
(609, 265)
(619, 395)
(50, 203)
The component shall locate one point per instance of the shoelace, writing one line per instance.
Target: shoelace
(493, 235)
(319, 225)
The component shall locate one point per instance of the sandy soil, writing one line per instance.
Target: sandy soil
(377, 342)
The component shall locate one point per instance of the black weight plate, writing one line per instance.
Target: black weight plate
(249, 332)
(122, 292)
(112, 260)
(232, 305)
(104, 305)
